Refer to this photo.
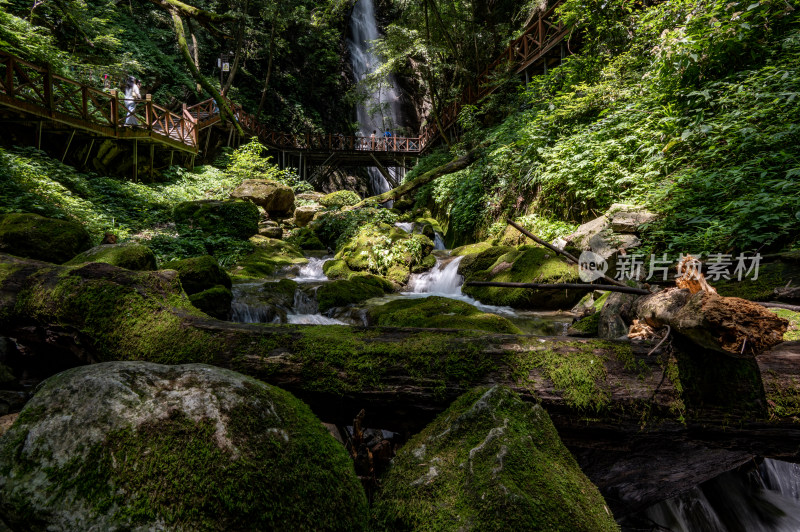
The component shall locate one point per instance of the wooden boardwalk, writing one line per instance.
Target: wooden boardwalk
(40, 96)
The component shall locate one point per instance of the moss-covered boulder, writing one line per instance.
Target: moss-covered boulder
(264, 303)
(215, 301)
(477, 261)
(275, 198)
(383, 249)
(527, 264)
(268, 256)
(130, 256)
(341, 198)
(440, 313)
(36, 237)
(140, 446)
(337, 269)
(199, 273)
(304, 214)
(305, 238)
(490, 462)
(238, 219)
(355, 290)
(470, 249)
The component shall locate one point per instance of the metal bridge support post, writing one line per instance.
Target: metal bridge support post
(135, 159)
(88, 153)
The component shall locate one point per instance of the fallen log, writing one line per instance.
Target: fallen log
(729, 325)
(579, 286)
(97, 312)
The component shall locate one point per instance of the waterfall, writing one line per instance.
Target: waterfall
(438, 241)
(380, 111)
(440, 280)
(762, 498)
(312, 272)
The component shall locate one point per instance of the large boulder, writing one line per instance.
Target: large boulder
(36, 237)
(238, 219)
(199, 273)
(440, 313)
(489, 462)
(527, 264)
(130, 256)
(215, 301)
(303, 215)
(141, 446)
(268, 256)
(275, 198)
(345, 292)
(388, 251)
(340, 198)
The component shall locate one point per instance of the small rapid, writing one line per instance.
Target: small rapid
(312, 272)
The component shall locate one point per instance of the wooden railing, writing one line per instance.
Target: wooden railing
(33, 89)
(539, 38)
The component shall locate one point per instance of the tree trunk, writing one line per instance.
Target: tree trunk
(269, 70)
(239, 50)
(459, 163)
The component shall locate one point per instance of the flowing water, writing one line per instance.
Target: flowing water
(380, 111)
(763, 498)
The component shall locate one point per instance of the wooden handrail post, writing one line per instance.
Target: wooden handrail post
(10, 76)
(183, 123)
(48, 90)
(114, 110)
(84, 102)
(148, 110)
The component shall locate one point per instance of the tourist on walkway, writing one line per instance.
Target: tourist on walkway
(387, 139)
(372, 139)
(131, 94)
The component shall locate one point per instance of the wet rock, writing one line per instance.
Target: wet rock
(268, 256)
(439, 313)
(341, 198)
(238, 219)
(6, 422)
(303, 215)
(131, 445)
(490, 462)
(199, 273)
(527, 264)
(130, 256)
(36, 237)
(616, 315)
(355, 290)
(270, 231)
(215, 301)
(275, 198)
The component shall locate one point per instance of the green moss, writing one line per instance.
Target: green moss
(471, 249)
(427, 263)
(476, 262)
(268, 256)
(337, 269)
(438, 312)
(129, 256)
(233, 218)
(215, 301)
(793, 333)
(178, 472)
(771, 275)
(305, 238)
(341, 198)
(345, 292)
(528, 264)
(589, 324)
(6, 374)
(489, 462)
(199, 273)
(36, 237)
(386, 250)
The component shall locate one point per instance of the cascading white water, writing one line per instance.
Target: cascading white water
(380, 111)
(312, 272)
(438, 241)
(408, 227)
(440, 280)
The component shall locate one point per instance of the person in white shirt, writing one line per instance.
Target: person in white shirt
(131, 94)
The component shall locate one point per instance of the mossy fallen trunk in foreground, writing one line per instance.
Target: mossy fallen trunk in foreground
(97, 312)
(100, 313)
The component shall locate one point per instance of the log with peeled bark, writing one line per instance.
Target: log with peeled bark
(729, 325)
(97, 312)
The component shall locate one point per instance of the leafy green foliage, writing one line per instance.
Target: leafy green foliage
(249, 162)
(336, 229)
(687, 107)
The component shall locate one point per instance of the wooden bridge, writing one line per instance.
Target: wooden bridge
(36, 96)
(539, 48)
